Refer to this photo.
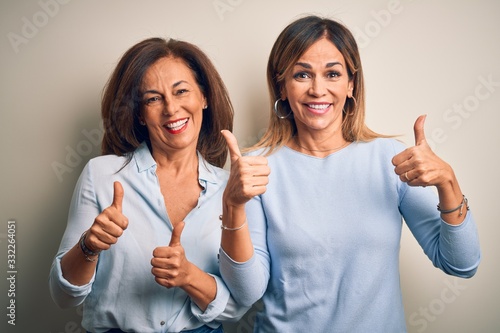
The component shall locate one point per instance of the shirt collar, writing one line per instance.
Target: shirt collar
(143, 158)
(145, 161)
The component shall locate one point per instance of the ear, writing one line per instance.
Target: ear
(141, 120)
(283, 94)
(350, 88)
(205, 104)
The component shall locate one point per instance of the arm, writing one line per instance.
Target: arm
(248, 280)
(78, 264)
(172, 269)
(211, 296)
(72, 270)
(248, 179)
(419, 166)
(83, 209)
(452, 248)
(448, 235)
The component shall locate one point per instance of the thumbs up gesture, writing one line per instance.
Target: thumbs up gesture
(249, 174)
(109, 225)
(418, 165)
(170, 265)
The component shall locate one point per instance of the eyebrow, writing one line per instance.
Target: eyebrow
(178, 83)
(308, 66)
(152, 91)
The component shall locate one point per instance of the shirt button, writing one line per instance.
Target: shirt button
(162, 323)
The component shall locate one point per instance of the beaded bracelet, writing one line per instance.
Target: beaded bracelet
(86, 251)
(464, 201)
(223, 227)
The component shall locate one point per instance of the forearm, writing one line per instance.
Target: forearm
(76, 268)
(236, 243)
(201, 288)
(450, 198)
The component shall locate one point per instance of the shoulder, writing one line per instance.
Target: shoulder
(383, 145)
(107, 163)
(258, 152)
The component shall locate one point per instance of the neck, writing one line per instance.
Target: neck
(321, 150)
(184, 161)
(319, 147)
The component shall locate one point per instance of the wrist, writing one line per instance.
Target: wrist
(87, 252)
(233, 217)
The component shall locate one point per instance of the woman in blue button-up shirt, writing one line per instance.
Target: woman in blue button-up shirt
(140, 249)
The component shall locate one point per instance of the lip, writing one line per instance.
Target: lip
(318, 107)
(176, 126)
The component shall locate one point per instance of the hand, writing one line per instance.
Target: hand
(418, 165)
(249, 174)
(109, 225)
(170, 265)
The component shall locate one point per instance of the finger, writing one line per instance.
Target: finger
(117, 195)
(107, 228)
(418, 128)
(256, 160)
(400, 161)
(232, 143)
(176, 234)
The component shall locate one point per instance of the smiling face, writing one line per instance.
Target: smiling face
(317, 87)
(172, 105)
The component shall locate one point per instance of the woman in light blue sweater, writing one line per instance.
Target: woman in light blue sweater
(325, 198)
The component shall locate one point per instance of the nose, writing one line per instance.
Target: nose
(170, 107)
(317, 88)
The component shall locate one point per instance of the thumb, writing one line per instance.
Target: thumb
(418, 128)
(176, 234)
(232, 144)
(117, 195)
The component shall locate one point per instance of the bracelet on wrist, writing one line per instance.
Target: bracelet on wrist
(86, 251)
(223, 227)
(448, 211)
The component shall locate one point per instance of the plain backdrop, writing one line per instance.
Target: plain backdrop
(441, 58)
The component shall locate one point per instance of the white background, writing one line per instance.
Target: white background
(441, 58)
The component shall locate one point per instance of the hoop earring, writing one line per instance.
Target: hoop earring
(352, 111)
(276, 110)
(355, 102)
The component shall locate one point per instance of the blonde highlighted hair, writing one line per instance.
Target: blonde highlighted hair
(290, 45)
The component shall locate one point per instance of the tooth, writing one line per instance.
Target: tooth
(177, 123)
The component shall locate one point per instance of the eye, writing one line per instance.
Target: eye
(152, 100)
(181, 91)
(333, 75)
(301, 76)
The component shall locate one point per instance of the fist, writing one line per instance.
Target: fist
(109, 225)
(248, 174)
(170, 265)
(418, 165)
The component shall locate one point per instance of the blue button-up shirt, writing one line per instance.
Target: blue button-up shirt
(123, 293)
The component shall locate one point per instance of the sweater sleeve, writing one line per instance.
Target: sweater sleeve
(452, 248)
(222, 309)
(248, 280)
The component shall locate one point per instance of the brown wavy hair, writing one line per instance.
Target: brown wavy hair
(121, 102)
(290, 45)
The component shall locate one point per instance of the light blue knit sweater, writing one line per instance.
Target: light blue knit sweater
(327, 237)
